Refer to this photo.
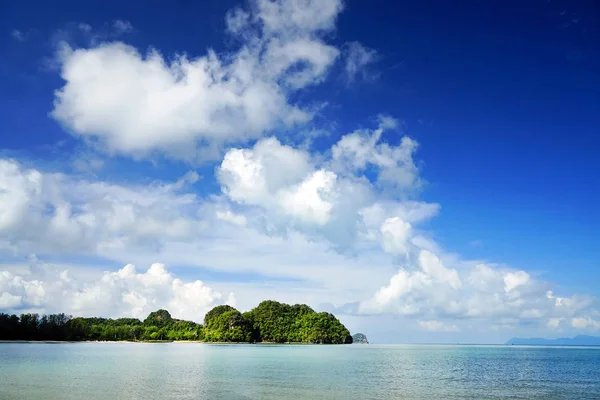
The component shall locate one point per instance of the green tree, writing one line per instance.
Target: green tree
(158, 318)
(226, 324)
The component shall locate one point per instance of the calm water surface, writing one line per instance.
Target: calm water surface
(198, 371)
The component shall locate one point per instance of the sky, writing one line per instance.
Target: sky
(426, 171)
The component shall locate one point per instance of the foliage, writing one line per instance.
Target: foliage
(158, 318)
(270, 321)
(158, 326)
(227, 325)
(215, 312)
(276, 322)
(33, 327)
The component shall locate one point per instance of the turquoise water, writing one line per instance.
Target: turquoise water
(199, 371)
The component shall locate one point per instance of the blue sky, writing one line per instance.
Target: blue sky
(442, 154)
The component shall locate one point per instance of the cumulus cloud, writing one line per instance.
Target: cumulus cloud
(396, 233)
(513, 280)
(283, 210)
(123, 293)
(138, 104)
(364, 148)
(283, 181)
(53, 212)
(275, 212)
(59, 215)
(329, 196)
(480, 292)
(585, 323)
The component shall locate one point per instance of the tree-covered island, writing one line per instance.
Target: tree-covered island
(270, 322)
(360, 338)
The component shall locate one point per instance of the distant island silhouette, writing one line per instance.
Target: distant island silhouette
(359, 338)
(579, 340)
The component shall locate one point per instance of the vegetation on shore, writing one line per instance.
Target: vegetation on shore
(270, 321)
(157, 326)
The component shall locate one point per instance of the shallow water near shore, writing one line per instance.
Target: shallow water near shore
(50, 371)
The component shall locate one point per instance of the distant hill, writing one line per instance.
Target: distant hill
(359, 338)
(579, 340)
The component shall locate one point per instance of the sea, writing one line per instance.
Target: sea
(152, 371)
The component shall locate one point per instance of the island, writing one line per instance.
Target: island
(269, 322)
(579, 340)
(359, 338)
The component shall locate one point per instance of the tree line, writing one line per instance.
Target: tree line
(270, 321)
(159, 325)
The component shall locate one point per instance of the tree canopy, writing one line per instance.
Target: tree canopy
(270, 321)
(158, 318)
(158, 326)
(227, 325)
(275, 322)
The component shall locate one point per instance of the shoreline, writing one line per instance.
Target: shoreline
(164, 341)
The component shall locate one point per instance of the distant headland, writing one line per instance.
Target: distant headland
(579, 340)
(269, 322)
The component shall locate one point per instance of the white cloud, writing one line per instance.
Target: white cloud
(189, 108)
(585, 323)
(8, 301)
(296, 17)
(438, 326)
(411, 212)
(433, 267)
(255, 176)
(122, 27)
(357, 58)
(554, 323)
(395, 164)
(123, 293)
(396, 233)
(283, 181)
(61, 215)
(16, 290)
(327, 196)
(312, 199)
(52, 212)
(431, 289)
(401, 284)
(513, 280)
(288, 217)
(235, 219)
(236, 21)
